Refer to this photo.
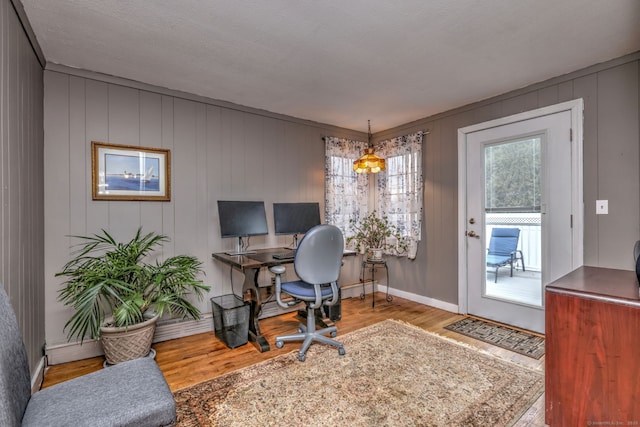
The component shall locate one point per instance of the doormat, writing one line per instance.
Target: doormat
(519, 341)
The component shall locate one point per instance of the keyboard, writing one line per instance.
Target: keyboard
(285, 255)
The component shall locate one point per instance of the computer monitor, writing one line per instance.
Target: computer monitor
(295, 218)
(240, 219)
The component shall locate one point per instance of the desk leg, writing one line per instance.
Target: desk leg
(251, 293)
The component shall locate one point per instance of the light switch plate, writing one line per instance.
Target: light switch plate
(602, 207)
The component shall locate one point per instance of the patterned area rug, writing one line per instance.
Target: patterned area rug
(393, 374)
(519, 341)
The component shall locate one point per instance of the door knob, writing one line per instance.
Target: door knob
(472, 234)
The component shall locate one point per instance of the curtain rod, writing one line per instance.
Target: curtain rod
(424, 132)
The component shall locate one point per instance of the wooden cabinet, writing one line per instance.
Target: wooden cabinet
(592, 362)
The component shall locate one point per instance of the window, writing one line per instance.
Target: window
(399, 188)
(513, 176)
(345, 191)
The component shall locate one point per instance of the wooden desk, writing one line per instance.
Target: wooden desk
(250, 265)
(592, 361)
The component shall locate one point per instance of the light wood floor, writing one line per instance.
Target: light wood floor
(190, 360)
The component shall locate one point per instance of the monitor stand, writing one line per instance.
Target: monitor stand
(240, 249)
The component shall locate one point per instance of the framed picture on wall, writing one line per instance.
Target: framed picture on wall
(126, 172)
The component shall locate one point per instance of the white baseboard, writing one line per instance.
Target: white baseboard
(38, 376)
(432, 302)
(169, 330)
(183, 328)
(355, 290)
(69, 352)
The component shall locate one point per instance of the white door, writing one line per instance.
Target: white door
(542, 199)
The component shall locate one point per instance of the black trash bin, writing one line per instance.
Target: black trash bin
(231, 320)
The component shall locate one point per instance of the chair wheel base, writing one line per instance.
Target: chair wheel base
(302, 357)
(279, 344)
(341, 351)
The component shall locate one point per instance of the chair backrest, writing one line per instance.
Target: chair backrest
(15, 379)
(319, 255)
(503, 241)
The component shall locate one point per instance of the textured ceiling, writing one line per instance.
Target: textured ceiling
(337, 61)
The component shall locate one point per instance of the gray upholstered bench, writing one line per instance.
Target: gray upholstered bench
(132, 393)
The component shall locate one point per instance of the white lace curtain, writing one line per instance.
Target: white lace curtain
(345, 191)
(399, 189)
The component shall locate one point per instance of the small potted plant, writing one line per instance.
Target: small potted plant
(375, 235)
(113, 290)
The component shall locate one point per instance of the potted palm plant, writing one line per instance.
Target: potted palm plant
(375, 235)
(114, 291)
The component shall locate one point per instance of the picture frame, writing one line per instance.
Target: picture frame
(130, 173)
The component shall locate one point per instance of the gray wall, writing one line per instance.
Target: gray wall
(22, 209)
(218, 150)
(611, 171)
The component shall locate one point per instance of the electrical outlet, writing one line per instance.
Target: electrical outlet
(602, 207)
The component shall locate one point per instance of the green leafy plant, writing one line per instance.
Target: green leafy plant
(106, 277)
(376, 232)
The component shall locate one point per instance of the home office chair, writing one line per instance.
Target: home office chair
(132, 393)
(503, 249)
(317, 264)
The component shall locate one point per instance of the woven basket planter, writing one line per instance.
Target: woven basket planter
(127, 343)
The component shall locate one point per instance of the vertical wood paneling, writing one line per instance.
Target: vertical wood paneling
(151, 136)
(272, 137)
(58, 177)
(587, 88)
(79, 152)
(448, 247)
(214, 168)
(97, 129)
(184, 156)
(565, 91)
(253, 155)
(200, 248)
(435, 236)
(21, 181)
(618, 172)
(124, 128)
(168, 212)
(238, 185)
(548, 96)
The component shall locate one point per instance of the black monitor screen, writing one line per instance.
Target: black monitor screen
(295, 218)
(242, 218)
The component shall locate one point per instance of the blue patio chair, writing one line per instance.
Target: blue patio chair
(503, 249)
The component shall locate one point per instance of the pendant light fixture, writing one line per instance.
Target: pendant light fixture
(369, 162)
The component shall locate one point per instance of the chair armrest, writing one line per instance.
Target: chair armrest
(336, 294)
(277, 269)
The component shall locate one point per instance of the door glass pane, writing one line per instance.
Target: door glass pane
(512, 199)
